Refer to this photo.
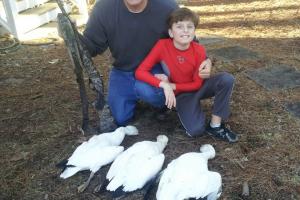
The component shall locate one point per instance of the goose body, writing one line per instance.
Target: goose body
(92, 159)
(134, 167)
(188, 177)
(98, 151)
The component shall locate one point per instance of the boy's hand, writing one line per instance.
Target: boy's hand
(162, 77)
(205, 69)
(169, 94)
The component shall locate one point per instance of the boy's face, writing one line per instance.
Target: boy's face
(183, 33)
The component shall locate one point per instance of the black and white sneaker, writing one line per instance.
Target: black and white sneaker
(222, 133)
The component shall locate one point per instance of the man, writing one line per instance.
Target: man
(129, 28)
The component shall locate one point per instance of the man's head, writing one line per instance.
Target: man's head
(181, 26)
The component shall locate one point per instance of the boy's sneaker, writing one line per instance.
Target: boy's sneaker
(222, 133)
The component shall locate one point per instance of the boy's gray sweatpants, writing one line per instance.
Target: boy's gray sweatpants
(188, 105)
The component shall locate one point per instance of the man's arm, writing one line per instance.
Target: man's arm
(94, 36)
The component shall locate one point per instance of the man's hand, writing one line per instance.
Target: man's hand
(205, 69)
(169, 94)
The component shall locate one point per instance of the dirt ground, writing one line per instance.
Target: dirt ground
(41, 111)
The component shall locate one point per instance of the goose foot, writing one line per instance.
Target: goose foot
(103, 183)
(98, 188)
(82, 187)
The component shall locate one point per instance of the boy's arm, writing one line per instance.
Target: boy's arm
(143, 72)
(169, 94)
(190, 86)
(205, 66)
(205, 69)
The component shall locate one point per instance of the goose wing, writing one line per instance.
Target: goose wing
(166, 188)
(201, 185)
(134, 161)
(122, 160)
(106, 156)
(181, 177)
(105, 139)
(140, 171)
(118, 164)
(195, 186)
(96, 141)
(92, 159)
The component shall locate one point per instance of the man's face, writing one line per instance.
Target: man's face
(134, 4)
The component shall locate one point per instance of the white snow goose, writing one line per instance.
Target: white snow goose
(136, 168)
(98, 151)
(188, 177)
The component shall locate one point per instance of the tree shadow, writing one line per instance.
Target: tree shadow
(201, 13)
(214, 2)
(251, 23)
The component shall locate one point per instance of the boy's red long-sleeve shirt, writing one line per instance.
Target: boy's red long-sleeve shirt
(180, 66)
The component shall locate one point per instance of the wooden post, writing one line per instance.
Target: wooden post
(11, 12)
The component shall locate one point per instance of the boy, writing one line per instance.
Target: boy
(183, 88)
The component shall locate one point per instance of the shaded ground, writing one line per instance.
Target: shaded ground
(41, 111)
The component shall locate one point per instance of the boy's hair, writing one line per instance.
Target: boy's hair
(182, 14)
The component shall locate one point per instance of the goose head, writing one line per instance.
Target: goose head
(163, 140)
(209, 150)
(131, 130)
(128, 130)
(118, 135)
